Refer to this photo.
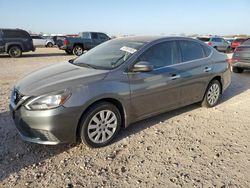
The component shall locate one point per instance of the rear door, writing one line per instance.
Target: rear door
(95, 39)
(195, 69)
(158, 90)
(38, 41)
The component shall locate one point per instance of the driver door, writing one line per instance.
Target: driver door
(158, 90)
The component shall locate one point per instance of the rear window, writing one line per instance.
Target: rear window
(190, 50)
(204, 39)
(216, 39)
(15, 34)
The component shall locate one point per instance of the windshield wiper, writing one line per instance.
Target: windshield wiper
(85, 65)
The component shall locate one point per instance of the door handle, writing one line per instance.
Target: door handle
(207, 69)
(175, 76)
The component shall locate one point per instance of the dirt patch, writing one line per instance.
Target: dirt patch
(189, 147)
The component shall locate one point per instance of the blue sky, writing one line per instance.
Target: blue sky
(140, 17)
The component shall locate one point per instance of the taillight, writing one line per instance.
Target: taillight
(65, 42)
(209, 43)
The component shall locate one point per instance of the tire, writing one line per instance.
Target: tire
(212, 94)
(49, 45)
(15, 51)
(216, 48)
(94, 127)
(238, 70)
(69, 52)
(78, 50)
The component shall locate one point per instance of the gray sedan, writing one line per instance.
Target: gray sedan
(115, 84)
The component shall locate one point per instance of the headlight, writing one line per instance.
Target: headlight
(49, 101)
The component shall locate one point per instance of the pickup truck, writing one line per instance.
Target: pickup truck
(84, 41)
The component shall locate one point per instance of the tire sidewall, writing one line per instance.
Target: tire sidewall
(15, 48)
(205, 100)
(77, 46)
(49, 45)
(88, 116)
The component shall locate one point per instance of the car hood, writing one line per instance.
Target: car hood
(57, 77)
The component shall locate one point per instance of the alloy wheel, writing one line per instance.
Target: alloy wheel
(102, 126)
(213, 94)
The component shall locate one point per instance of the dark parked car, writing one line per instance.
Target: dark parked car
(237, 42)
(241, 57)
(115, 84)
(85, 41)
(15, 41)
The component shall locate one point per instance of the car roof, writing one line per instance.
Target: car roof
(147, 39)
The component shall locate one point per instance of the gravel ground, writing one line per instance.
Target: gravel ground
(189, 147)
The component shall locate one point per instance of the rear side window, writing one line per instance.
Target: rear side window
(190, 50)
(86, 35)
(37, 37)
(204, 39)
(15, 34)
(207, 51)
(216, 40)
(160, 55)
(94, 35)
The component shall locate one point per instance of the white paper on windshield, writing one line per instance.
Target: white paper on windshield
(128, 49)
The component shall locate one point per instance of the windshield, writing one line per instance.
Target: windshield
(109, 55)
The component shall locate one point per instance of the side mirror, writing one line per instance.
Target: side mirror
(142, 66)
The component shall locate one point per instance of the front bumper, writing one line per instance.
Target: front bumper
(48, 127)
(241, 64)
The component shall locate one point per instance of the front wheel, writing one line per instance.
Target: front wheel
(78, 50)
(212, 94)
(15, 51)
(100, 124)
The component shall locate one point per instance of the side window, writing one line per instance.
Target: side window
(94, 35)
(190, 50)
(86, 35)
(14, 34)
(34, 37)
(103, 36)
(160, 55)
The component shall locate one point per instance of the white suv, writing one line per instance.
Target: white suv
(216, 42)
(40, 41)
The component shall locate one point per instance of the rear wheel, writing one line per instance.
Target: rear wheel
(212, 94)
(49, 45)
(100, 124)
(238, 70)
(78, 50)
(15, 51)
